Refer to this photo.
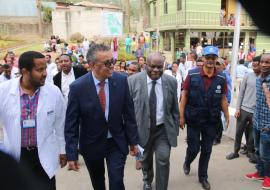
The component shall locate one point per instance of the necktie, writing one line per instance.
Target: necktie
(101, 95)
(153, 105)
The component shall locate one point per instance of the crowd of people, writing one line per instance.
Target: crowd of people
(103, 109)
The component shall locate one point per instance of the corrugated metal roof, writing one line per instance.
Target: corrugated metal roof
(97, 5)
(18, 8)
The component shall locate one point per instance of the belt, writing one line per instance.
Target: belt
(29, 148)
(160, 125)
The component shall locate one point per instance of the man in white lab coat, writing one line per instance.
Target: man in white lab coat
(33, 115)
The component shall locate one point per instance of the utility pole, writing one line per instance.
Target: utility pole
(235, 48)
(158, 22)
(40, 27)
(126, 10)
(128, 15)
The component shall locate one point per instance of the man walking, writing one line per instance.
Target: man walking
(203, 99)
(244, 111)
(157, 115)
(261, 125)
(100, 103)
(33, 115)
(67, 75)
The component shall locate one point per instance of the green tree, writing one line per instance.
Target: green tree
(46, 14)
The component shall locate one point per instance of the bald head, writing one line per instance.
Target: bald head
(155, 62)
(155, 55)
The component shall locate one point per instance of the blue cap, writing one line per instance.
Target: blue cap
(210, 50)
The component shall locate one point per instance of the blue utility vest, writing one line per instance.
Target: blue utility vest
(204, 107)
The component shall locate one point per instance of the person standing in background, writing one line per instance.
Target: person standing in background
(245, 108)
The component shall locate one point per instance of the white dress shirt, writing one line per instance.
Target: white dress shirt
(106, 89)
(159, 94)
(178, 79)
(66, 80)
(51, 72)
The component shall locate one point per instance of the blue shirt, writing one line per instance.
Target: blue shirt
(261, 117)
(229, 84)
(106, 89)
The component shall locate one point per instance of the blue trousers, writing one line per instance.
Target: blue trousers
(200, 138)
(115, 160)
(128, 49)
(262, 150)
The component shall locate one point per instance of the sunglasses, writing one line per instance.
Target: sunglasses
(108, 63)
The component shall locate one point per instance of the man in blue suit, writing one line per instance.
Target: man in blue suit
(100, 103)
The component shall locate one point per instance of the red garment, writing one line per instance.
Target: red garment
(115, 46)
(206, 80)
(101, 95)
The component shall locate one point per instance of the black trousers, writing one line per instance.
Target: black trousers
(200, 139)
(244, 124)
(30, 162)
(219, 131)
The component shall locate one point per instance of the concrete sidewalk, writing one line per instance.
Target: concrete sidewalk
(223, 174)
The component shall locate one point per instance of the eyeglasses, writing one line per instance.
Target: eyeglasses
(108, 63)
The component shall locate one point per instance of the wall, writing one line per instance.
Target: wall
(67, 22)
(262, 42)
(86, 21)
(211, 6)
(21, 28)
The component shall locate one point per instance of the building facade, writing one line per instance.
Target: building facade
(184, 23)
(89, 19)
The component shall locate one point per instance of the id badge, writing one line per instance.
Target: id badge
(29, 123)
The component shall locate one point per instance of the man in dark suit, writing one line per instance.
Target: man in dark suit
(101, 103)
(67, 75)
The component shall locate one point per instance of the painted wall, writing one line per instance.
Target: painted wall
(85, 21)
(262, 42)
(211, 6)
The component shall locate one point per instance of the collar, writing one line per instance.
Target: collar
(23, 93)
(266, 79)
(69, 74)
(96, 81)
(202, 73)
(149, 80)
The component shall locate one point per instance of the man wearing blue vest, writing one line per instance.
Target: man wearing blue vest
(203, 99)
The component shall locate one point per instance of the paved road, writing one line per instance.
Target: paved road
(223, 174)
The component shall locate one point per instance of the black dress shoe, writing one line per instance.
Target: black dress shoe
(232, 156)
(147, 186)
(216, 142)
(253, 158)
(186, 168)
(205, 184)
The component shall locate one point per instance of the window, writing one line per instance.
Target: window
(155, 9)
(179, 5)
(165, 6)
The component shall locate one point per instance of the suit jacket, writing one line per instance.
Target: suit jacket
(139, 92)
(84, 108)
(78, 72)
